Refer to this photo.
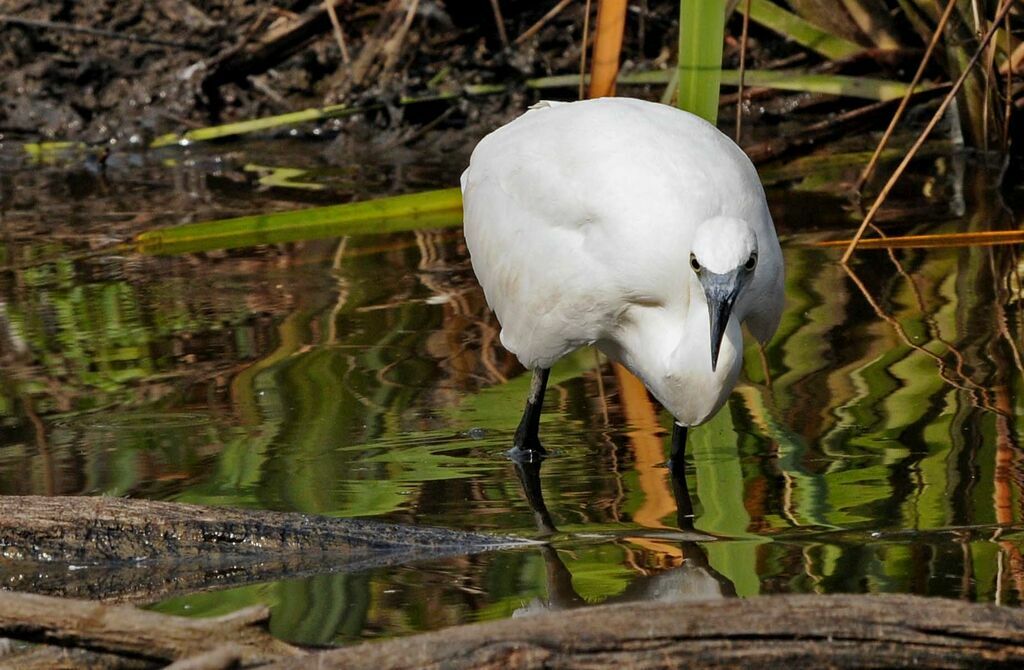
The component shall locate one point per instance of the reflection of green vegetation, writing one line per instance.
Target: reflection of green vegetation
(720, 487)
(344, 407)
(598, 572)
(283, 177)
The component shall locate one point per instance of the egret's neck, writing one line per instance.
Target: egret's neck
(671, 354)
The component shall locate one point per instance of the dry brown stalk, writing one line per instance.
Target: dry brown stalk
(393, 47)
(870, 167)
(935, 240)
(543, 21)
(499, 20)
(339, 36)
(1004, 9)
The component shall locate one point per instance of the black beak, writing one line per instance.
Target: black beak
(721, 291)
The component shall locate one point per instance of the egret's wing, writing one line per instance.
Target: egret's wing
(768, 293)
(540, 282)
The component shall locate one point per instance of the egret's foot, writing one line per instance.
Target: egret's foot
(527, 451)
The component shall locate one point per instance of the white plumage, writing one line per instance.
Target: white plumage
(615, 222)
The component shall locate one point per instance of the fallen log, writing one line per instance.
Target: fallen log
(139, 550)
(139, 636)
(768, 632)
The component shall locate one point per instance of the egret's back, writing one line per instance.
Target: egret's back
(576, 211)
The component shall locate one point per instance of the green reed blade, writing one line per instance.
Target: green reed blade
(701, 29)
(252, 125)
(433, 209)
(773, 17)
(870, 88)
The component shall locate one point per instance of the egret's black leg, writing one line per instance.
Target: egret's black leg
(526, 444)
(684, 504)
(677, 457)
(681, 490)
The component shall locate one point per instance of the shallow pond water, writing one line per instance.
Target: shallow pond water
(875, 446)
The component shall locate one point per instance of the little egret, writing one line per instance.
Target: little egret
(632, 226)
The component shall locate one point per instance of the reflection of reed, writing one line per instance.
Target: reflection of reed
(1001, 290)
(614, 505)
(343, 292)
(645, 437)
(967, 385)
(1015, 568)
(42, 446)
(933, 328)
(467, 343)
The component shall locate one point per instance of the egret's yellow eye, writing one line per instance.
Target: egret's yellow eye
(694, 264)
(751, 262)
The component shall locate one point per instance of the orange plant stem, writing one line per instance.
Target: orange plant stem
(611, 23)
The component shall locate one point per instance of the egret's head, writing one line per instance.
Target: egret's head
(723, 258)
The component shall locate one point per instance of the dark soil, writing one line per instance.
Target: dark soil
(62, 83)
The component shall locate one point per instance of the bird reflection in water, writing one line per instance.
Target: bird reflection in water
(694, 580)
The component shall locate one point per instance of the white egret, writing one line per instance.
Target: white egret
(632, 226)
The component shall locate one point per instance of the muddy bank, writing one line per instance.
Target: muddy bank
(103, 69)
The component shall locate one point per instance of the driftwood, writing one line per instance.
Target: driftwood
(118, 549)
(140, 637)
(769, 632)
(235, 64)
(59, 658)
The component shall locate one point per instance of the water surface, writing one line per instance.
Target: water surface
(875, 446)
